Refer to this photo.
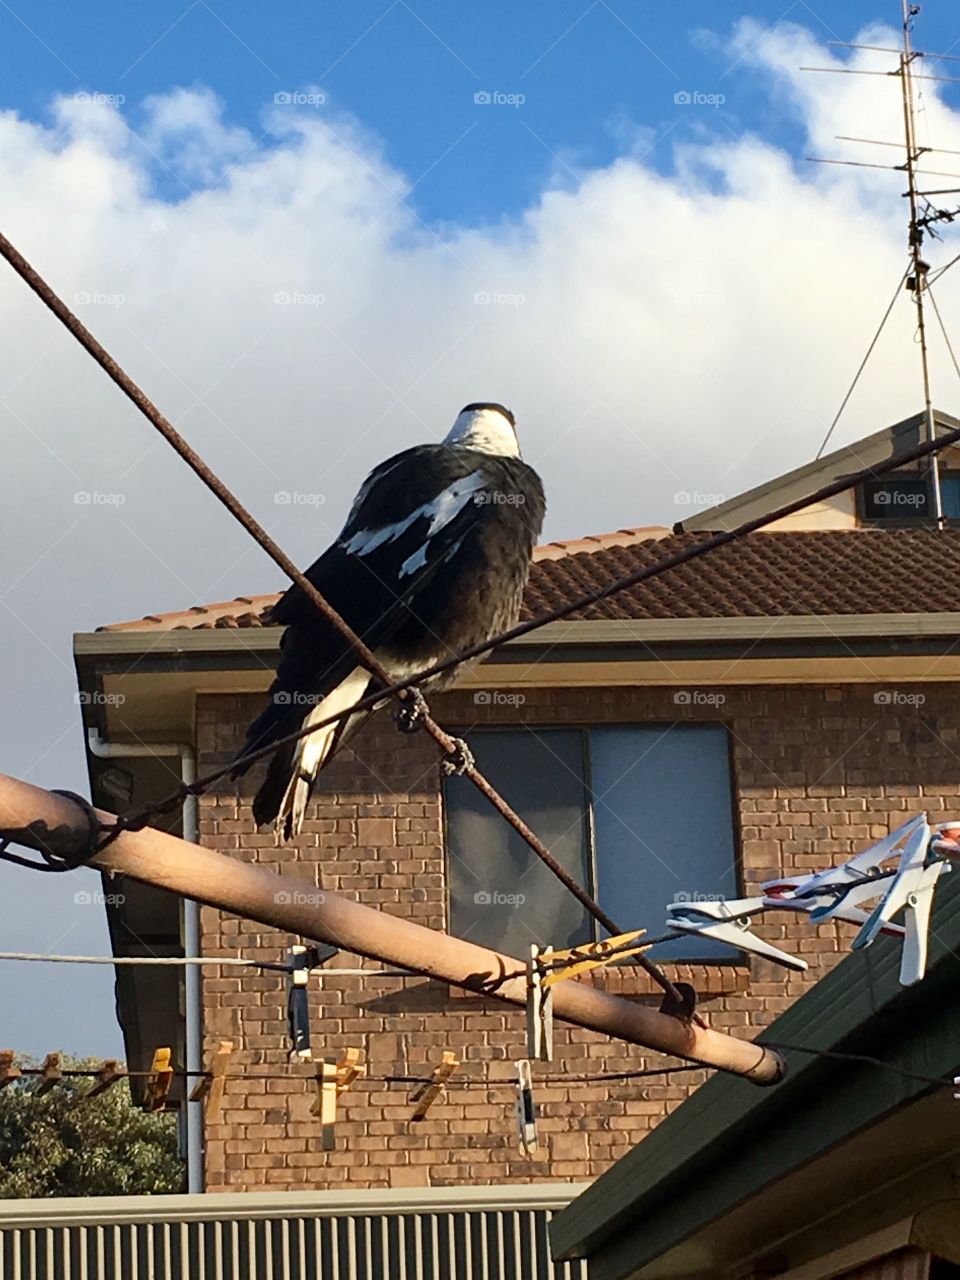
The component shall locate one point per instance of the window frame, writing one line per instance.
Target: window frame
(584, 728)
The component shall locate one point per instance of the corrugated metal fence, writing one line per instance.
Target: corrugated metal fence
(462, 1233)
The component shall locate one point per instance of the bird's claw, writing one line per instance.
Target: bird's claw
(457, 760)
(412, 710)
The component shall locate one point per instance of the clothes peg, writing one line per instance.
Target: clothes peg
(51, 1074)
(333, 1079)
(863, 867)
(911, 890)
(158, 1082)
(539, 1006)
(8, 1070)
(212, 1086)
(836, 892)
(576, 960)
(526, 1109)
(428, 1093)
(349, 1068)
(729, 922)
(298, 1007)
(108, 1073)
(326, 1104)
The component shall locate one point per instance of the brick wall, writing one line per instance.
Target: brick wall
(818, 772)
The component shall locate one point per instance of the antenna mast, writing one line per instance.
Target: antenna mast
(924, 216)
(917, 282)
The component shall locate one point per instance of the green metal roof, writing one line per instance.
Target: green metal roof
(730, 1142)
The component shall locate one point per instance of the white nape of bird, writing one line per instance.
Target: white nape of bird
(433, 558)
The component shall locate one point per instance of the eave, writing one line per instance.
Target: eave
(160, 673)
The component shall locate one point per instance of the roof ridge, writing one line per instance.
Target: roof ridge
(600, 541)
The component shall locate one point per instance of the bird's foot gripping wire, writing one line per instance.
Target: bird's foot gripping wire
(457, 760)
(412, 711)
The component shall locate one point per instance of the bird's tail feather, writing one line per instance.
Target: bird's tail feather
(266, 803)
(286, 790)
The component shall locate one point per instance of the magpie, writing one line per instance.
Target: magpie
(433, 558)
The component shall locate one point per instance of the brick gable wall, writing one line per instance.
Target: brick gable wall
(818, 772)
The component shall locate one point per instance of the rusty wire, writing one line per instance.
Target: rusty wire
(260, 535)
(399, 689)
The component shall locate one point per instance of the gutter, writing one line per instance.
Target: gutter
(891, 626)
(193, 1013)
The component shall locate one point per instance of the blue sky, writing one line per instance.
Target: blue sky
(595, 76)
(671, 299)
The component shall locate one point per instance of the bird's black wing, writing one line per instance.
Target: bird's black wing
(409, 519)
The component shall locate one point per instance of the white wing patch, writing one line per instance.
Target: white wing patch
(366, 540)
(446, 506)
(414, 562)
(419, 558)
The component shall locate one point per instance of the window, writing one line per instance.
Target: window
(950, 496)
(637, 814)
(903, 497)
(895, 497)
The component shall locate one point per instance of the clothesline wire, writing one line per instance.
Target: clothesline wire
(863, 1059)
(460, 1081)
(406, 694)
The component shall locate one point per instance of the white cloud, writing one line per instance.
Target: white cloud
(654, 334)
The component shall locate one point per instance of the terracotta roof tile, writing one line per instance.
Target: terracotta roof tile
(763, 575)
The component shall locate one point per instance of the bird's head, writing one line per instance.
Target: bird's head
(488, 427)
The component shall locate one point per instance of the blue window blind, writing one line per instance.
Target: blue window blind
(641, 815)
(663, 818)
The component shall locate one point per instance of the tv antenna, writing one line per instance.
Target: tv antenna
(925, 216)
